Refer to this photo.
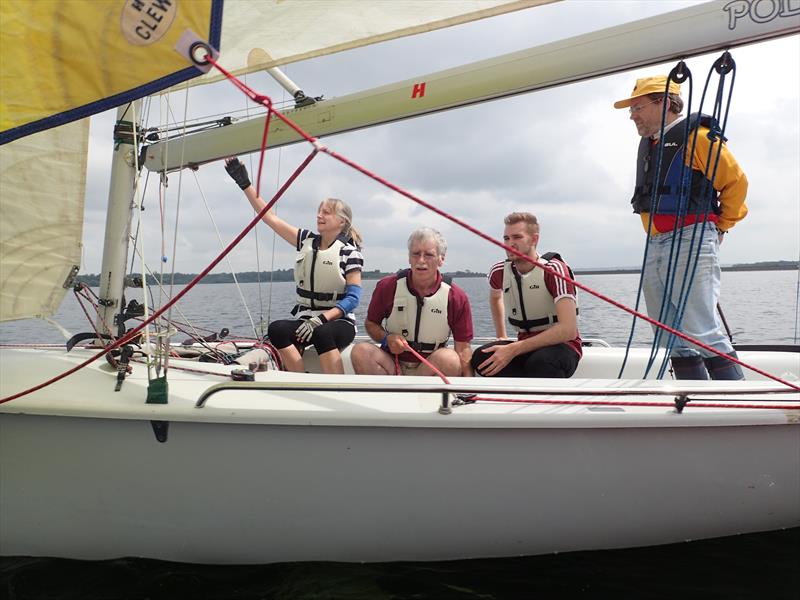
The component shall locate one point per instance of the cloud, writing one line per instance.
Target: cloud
(563, 153)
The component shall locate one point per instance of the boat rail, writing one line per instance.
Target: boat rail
(465, 393)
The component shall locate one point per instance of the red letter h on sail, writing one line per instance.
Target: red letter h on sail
(418, 91)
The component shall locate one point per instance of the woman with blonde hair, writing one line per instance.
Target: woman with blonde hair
(327, 276)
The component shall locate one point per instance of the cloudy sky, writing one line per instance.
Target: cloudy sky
(564, 154)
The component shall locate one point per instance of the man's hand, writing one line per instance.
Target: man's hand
(238, 172)
(395, 343)
(501, 355)
(306, 329)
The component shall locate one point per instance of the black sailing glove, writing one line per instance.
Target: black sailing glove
(237, 171)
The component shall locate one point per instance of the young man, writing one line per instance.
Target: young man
(419, 307)
(697, 216)
(542, 306)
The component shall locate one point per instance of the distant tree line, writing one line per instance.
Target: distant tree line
(288, 274)
(253, 277)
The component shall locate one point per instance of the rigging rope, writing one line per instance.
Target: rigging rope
(333, 154)
(424, 361)
(723, 66)
(690, 256)
(135, 331)
(317, 148)
(693, 403)
(230, 265)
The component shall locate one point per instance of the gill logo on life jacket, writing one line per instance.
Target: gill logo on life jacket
(436, 311)
(533, 286)
(327, 262)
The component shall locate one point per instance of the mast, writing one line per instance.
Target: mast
(118, 217)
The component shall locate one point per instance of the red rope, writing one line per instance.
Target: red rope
(634, 403)
(132, 333)
(309, 138)
(426, 362)
(266, 102)
(586, 288)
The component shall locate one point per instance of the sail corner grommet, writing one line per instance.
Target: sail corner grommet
(196, 50)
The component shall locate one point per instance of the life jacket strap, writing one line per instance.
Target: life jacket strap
(528, 324)
(426, 347)
(322, 296)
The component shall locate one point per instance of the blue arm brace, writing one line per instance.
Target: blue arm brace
(352, 296)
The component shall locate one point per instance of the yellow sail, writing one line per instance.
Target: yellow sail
(60, 61)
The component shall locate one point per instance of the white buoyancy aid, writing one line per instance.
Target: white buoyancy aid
(529, 305)
(421, 321)
(317, 276)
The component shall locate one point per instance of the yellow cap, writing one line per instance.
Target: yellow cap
(649, 85)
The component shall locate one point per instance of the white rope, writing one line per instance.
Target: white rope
(211, 216)
(227, 258)
(262, 321)
(140, 233)
(163, 187)
(177, 307)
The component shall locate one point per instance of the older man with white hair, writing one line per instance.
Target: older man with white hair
(420, 308)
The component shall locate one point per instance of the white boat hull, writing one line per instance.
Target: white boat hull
(260, 477)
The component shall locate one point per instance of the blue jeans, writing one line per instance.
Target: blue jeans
(700, 318)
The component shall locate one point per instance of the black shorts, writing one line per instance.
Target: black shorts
(337, 334)
(560, 360)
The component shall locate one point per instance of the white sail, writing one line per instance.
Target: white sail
(300, 29)
(41, 201)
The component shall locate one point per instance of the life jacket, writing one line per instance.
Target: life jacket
(317, 275)
(529, 306)
(696, 195)
(421, 321)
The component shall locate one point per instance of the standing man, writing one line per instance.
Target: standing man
(422, 308)
(709, 207)
(542, 306)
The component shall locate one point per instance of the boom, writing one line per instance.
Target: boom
(680, 34)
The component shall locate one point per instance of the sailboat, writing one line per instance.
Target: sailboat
(271, 466)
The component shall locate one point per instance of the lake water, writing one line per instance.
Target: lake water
(760, 307)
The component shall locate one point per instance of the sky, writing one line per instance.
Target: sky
(564, 154)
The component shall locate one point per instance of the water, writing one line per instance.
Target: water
(756, 566)
(759, 307)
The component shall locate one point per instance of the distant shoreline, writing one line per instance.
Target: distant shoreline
(93, 280)
(743, 267)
